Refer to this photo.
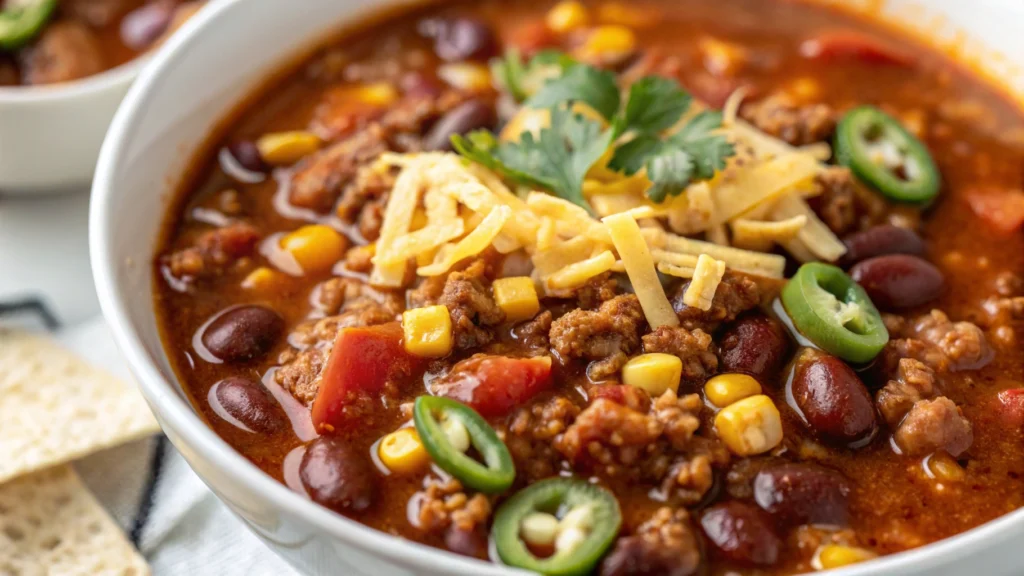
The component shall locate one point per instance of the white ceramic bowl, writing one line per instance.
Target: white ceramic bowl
(50, 136)
(215, 61)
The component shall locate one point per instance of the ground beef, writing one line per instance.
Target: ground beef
(836, 202)
(590, 296)
(653, 446)
(915, 382)
(1009, 284)
(533, 334)
(736, 294)
(66, 50)
(351, 295)
(319, 179)
(694, 348)
(895, 350)
(359, 259)
(665, 545)
(933, 425)
(446, 504)
(467, 295)
(213, 252)
(797, 124)
(531, 433)
(963, 343)
(607, 336)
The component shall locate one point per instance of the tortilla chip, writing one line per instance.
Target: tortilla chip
(51, 524)
(56, 408)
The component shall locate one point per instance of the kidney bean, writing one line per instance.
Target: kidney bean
(142, 26)
(834, 402)
(243, 333)
(741, 532)
(640, 555)
(898, 280)
(248, 403)
(465, 542)
(460, 120)
(336, 476)
(419, 84)
(247, 155)
(459, 38)
(879, 241)
(757, 345)
(803, 493)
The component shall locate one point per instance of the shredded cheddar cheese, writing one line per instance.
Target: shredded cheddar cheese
(636, 257)
(706, 278)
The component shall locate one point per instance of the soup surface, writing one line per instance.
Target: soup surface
(53, 41)
(617, 331)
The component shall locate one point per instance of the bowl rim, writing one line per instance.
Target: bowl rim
(115, 77)
(181, 417)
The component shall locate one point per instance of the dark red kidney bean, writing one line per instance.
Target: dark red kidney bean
(459, 38)
(757, 345)
(741, 532)
(898, 280)
(640, 556)
(243, 333)
(419, 84)
(470, 543)
(834, 402)
(336, 476)
(142, 26)
(803, 493)
(249, 403)
(460, 120)
(247, 155)
(879, 241)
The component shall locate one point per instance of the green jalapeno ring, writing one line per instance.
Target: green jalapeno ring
(854, 138)
(22, 21)
(834, 312)
(500, 471)
(551, 496)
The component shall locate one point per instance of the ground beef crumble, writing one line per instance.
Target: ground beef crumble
(694, 348)
(735, 295)
(933, 425)
(531, 433)
(607, 336)
(797, 124)
(467, 295)
(665, 545)
(836, 202)
(213, 252)
(915, 382)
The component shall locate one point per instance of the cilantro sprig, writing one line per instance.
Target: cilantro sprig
(559, 156)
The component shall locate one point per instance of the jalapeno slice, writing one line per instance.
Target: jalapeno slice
(883, 154)
(594, 511)
(21, 21)
(499, 472)
(834, 312)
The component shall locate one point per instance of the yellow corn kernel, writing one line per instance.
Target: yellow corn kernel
(567, 16)
(721, 58)
(626, 14)
(944, 468)
(316, 247)
(427, 331)
(805, 89)
(725, 389)
(281, 148)
(835, 555)
(654, 373)
(377, 93)
(607, 43)
(402, 451)
(517, 298)
(751, 426)
(262, 279)
(466, 76)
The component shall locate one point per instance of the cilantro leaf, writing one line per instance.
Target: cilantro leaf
(580, 83)
(521, 79)
(709, 151)
(655, 104)
(481, 146)
(670, 170)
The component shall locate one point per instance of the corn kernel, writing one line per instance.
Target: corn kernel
(427, 331)
(722, 58)
(567, 16)
(281, 148)
(835, 555)
(262, 279)
(654, 373)
(517, 298)
(609, 43)
(615, 12)
(724, 389)
(751, 426)
(402, 451)
(466, 76)
(539, 529)
(377, 93)
(944, 468)
(805, 89)
(316, 247)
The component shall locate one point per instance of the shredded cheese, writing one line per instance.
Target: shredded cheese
(762, 235)
(405, 196)
(706, 278)
(423, 240)
(693, 211)
(577, 274)
(677, 271)
(562, 254)
(717, 234)
(756, 263)
(474, 243)
(570, 219)
(636, 257)
(764, 182)
(814, 237)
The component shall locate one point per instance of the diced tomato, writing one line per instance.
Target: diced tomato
(1003, 210)
(494, 385)
(531, 38)
(1011, 405)
(847, 44)
(361, 363)
(628, 396)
